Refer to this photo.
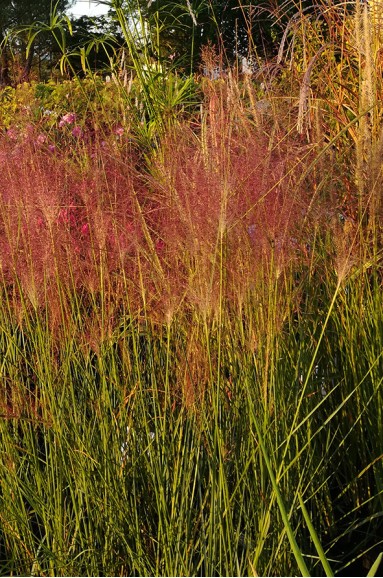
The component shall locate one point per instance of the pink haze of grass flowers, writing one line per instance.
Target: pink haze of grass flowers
(97, 213)
(67, 216)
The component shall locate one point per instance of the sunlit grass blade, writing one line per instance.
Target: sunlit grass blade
(315, 539)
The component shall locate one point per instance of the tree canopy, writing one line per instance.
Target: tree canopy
(182, 28)
(23, 13)
(175, 31)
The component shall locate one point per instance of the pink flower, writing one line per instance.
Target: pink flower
(51, 148)
(41, 139)
(12, 134)
(119, 130)
(68, 118)
(85, 229)
(77, 131)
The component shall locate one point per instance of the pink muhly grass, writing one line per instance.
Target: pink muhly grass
(227, 206)
(59, 224)
(231, 187)
(213, 216)
(85, 229)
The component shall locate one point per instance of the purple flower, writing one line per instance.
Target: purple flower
(77, 131)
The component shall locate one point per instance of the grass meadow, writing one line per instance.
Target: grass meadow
(191, 316)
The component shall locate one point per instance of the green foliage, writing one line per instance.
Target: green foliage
(97, 40)
(45, 103)
(179, 30)
(17, 105)
(16, 61)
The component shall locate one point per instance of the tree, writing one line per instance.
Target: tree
(20, 14)
(99, 38)
(180, 29)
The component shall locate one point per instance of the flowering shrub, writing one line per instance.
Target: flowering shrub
(91, 102)
(17, 106)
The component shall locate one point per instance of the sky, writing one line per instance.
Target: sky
(86, 8)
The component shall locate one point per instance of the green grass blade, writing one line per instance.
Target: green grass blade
(289, 531)
(375, 567)
(315, 539)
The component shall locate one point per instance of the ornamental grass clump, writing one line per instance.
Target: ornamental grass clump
(226, 205)
(198, 224)
(68, 219)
